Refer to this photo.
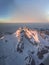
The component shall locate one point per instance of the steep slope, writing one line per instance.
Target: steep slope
(39, 43)
(25, 47)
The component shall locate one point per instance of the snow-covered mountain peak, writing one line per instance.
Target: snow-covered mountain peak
(26, 46)
(35, 37)
(30, 34)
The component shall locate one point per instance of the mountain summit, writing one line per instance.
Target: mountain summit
(38, 40)
(25, 47)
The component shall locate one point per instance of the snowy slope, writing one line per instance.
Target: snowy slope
(25, 46)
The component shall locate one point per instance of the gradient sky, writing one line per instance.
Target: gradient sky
(26, 11)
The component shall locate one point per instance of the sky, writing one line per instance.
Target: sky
(24, 11)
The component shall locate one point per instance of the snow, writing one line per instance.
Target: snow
(24, 43)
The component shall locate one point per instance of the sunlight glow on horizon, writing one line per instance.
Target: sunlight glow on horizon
(24, 11)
